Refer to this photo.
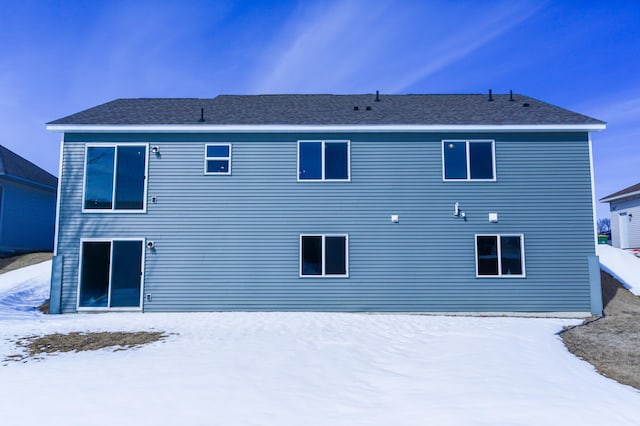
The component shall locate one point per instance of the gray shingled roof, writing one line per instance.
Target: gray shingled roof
(12, 165)
(631, 190)
(329, 109)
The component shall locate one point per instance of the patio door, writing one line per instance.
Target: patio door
(111, 274)
(623, 230)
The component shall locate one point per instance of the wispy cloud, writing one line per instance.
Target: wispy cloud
(347, 46)
(321, 47)
(621, 110)
(466, 39)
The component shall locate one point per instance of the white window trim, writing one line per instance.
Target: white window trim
(468, 158)
(323, 143)
(142, 268)
(217, 158)
(499, 253)
(324, 275)
(115, 167)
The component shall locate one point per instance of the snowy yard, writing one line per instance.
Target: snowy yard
(622, 265)
(301, 369)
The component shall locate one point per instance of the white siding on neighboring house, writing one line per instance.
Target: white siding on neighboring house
(625, 219)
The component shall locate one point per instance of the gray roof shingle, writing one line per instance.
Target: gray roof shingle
(633, 189)
(12, 165)
(329, 109)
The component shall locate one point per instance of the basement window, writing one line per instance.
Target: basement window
(324, 255)
(468, 160)
(500, 255)
(217, 159)
(324, 160)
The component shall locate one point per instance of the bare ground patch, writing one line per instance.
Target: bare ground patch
(35, 347)
(20, 261)
(611, 343)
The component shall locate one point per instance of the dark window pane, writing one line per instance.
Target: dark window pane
(310, 161)
(217, 166)
(487, 247)
(511, 251)
(481, 158)
(455, 160)
(98, 193)
(217, 151)
(335, 256)
(311, 255)
(336, 160)
(94, 278)
(126, 269)
(130, 177)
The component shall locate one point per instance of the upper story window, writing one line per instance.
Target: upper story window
(217, 159)
(324, 160)
(468, 160)
(500, 255)
(115, 178)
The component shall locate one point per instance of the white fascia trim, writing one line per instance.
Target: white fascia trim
(274, 128)
(593, 195)
(56, 233)
(620, 197)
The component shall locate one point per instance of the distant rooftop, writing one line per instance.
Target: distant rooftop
(12, 165)
(627, 192)
(366, 109)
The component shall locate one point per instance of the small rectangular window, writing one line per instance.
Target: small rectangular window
(217, 159)
(468, 160)
(115, 177)
(324, 255)
(500, 255)
(324, 160)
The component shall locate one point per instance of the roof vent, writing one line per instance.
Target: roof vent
(201, 115)
(355, 108)
(368, 108)
(377, 96)
(490, 96)
(511, 96)
(526, 105)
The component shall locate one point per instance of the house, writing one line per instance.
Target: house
(625, 217)
(382, 203)
(27, 205)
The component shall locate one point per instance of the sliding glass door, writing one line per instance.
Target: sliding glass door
(111, 274)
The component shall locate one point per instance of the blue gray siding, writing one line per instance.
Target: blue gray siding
(232, 242)
(27, 216)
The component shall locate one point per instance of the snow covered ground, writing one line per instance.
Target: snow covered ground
(302, 369)
(623, 265)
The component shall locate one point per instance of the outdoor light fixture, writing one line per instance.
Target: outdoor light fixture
(155, 150)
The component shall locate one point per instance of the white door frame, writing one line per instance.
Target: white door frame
(623, 229)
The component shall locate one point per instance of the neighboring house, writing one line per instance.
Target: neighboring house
(625, 217)
(27, 205)
(399, 203)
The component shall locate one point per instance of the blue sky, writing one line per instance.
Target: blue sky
(60, 57)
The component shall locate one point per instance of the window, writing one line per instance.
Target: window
(323, 160)
(468, 160)
(324, 255)
(110, 274)
(500, 255)
(115, 178)
(217, 159)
